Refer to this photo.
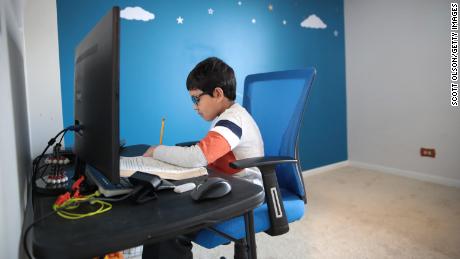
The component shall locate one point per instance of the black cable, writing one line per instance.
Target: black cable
(60, 140)
(24, 238)
(26, 232)
(31, 183)
(36, 161)
(122, 198)
(44, 170)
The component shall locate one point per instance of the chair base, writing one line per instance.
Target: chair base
(241, 249)
(295, 209)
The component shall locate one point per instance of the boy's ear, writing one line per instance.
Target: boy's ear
(218, 92)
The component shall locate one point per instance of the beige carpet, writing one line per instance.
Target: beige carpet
(357, 213)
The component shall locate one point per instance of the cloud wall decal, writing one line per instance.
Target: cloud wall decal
(313, 22)
(136, 13)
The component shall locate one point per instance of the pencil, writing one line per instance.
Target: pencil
(162, 130)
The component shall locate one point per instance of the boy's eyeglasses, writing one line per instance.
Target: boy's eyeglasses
(196, 99)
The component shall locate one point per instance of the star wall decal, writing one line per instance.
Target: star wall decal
(210, 11)
(284, 22)
(253, 20)
(240, 3)
(180, 20)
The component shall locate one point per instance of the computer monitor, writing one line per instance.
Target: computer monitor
(96, 100)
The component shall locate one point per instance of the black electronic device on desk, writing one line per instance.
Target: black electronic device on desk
(147, 184)
(54, 171)
(211, 188)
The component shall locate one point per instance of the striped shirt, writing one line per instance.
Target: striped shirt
(234, 135)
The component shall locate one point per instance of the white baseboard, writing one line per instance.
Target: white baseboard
(323, 169)
(406, 173)
(384, 169)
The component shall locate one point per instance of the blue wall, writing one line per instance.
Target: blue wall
(157, 55)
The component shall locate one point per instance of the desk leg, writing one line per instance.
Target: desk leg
(250, 234)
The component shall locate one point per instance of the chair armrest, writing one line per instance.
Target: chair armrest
(267, 165)
(187, 144)
(261, 161)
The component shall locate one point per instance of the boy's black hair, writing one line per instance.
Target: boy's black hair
(211, 73)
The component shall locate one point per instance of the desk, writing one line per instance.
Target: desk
(127, 225)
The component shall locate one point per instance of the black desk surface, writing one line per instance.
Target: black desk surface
(127, 225)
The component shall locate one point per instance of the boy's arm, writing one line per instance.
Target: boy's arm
(219, 141)
(182, 156)
(208, 150)
(149, 151)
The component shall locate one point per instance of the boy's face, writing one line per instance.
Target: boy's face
(208, 107)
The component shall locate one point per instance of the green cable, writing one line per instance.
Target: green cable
(63, 210)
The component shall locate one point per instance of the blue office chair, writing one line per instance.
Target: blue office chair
(277, 102)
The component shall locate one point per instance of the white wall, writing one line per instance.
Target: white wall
(398, 87)
(30, 104)
(42, 72)
(14, 137)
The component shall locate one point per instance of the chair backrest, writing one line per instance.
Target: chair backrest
(277, 101)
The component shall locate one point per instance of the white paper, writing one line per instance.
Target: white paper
(149, 164)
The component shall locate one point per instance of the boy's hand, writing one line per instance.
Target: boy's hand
(149, 152)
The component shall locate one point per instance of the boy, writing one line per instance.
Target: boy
(233, 135)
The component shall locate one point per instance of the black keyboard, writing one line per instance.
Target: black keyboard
(105, 186)
(124, 183)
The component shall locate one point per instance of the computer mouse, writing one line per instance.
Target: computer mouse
(213, 187)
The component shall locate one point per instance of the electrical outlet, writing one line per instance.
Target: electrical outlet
(428, 152)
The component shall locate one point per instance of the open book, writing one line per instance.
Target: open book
(129, 165)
